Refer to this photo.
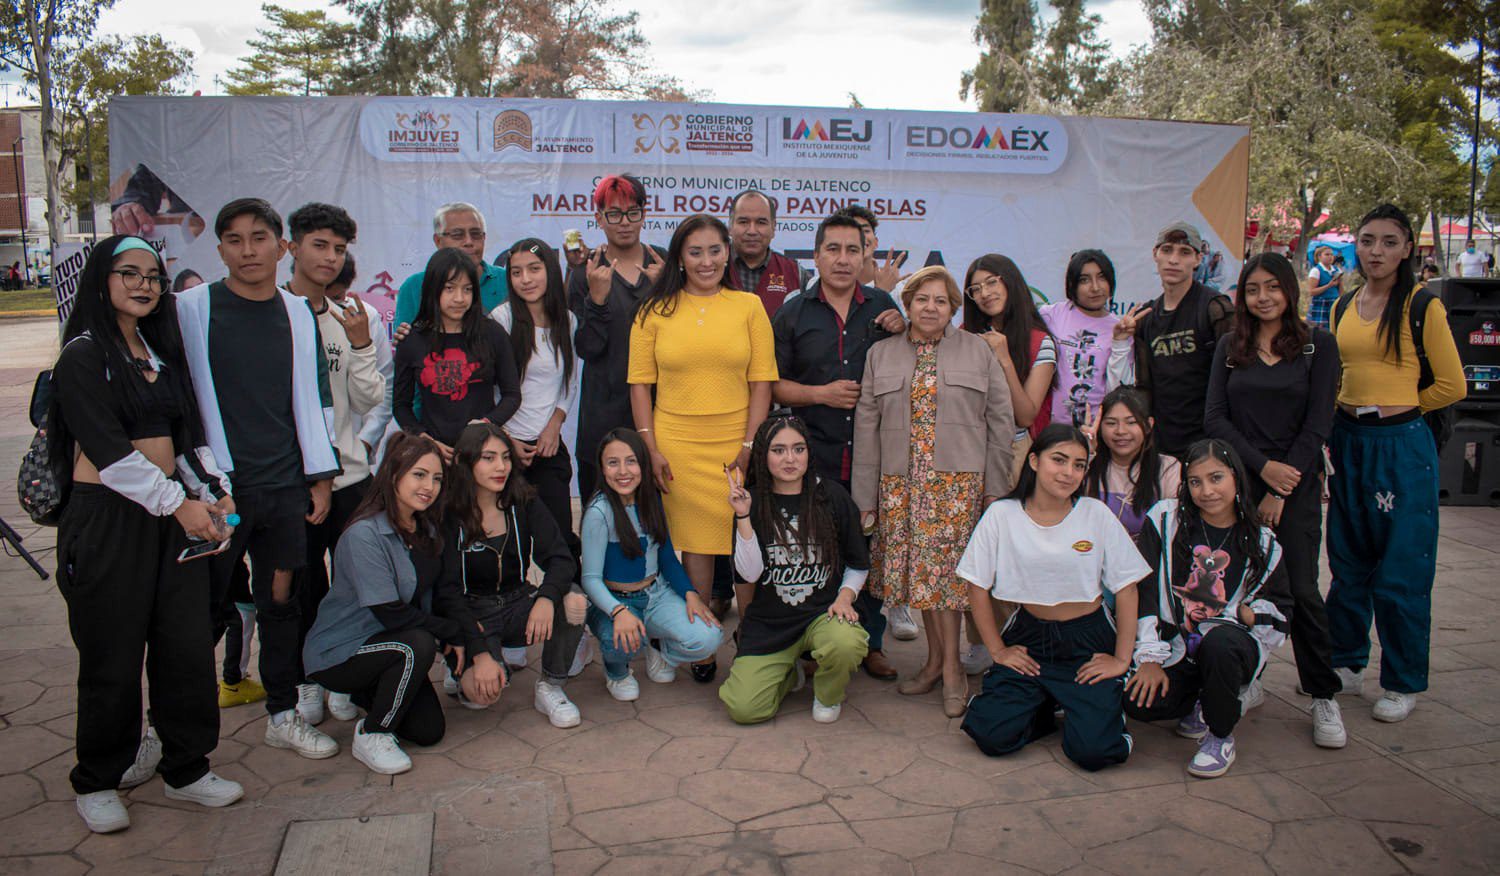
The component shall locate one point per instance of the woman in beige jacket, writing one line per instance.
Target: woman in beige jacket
(932, 448)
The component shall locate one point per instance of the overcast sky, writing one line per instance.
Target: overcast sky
(893, 54)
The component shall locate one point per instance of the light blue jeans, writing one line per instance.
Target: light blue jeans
(665, 615)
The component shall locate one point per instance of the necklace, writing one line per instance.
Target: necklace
(703, 307)
(1227, 533)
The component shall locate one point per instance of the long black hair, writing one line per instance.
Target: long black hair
(1245, 534)
(446, 264)
(460, 492)
(554, 305)
(815, 524)
(1074, 274)
(1394, 314)
(1018, 319)
(648, 507)
(1145, 470)
(662, 298)
(1294, 332)
(94, 313)
(1053, 435)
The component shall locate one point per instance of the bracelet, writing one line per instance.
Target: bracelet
(742, 517)
(616, 613)
(643, 431)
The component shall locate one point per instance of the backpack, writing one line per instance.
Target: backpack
(41, 485)
(1439, 421)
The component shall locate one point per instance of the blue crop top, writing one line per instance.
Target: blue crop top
(604, 561)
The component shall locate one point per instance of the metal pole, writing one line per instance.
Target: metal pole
(88, 145)
(15, 162)
(1474, 151)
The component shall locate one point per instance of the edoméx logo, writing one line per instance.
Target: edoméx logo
(424, 131)
(988, 143)
(832, 138)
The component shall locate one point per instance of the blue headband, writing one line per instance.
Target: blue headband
(130, 243)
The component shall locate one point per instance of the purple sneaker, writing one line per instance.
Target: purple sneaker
(1214, 758)
(1193, 726)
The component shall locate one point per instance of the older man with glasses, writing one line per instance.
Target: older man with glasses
(460, 226)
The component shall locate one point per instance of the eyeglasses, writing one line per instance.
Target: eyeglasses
(458, 235)
(615, 217)
(993, 284)
(135, 281)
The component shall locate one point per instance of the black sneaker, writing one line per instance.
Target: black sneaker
(703, 673)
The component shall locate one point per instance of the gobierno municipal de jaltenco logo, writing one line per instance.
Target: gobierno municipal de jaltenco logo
(657, 133)
(423, 131)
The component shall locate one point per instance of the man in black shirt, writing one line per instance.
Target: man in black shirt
(1175, 335)
(261, 380)
(822, 336)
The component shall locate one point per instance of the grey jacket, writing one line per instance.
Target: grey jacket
(975, 424)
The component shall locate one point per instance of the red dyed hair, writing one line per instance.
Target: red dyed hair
(619, 188)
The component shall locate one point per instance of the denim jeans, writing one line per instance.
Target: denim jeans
(665, 615)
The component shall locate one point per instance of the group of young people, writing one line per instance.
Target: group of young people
(1121, 514)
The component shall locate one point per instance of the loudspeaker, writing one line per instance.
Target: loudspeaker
(1469, 468)
(1473, 306)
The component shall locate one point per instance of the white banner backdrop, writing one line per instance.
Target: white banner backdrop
(947, 187)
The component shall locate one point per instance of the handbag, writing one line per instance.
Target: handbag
(40, 485)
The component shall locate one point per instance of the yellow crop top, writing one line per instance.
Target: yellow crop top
(1373, 377)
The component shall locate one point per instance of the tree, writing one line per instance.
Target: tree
(300, 53)
(489, 48)
(1028, 64)
(1319, 94)
(103, 69)
(38, 38)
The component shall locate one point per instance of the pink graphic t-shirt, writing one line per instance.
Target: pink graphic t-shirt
(1083, 343)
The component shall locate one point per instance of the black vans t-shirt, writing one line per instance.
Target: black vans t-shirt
(250, 355)
(1179, 348)
(799, 585)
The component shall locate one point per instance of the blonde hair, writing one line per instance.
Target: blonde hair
(926, 275)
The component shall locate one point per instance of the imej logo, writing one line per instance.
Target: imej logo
(836, 131)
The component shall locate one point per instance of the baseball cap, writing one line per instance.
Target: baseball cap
(1188, 231)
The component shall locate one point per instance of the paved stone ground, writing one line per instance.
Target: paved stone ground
(669, 785)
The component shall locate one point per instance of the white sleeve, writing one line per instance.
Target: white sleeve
(1120, 370)
(747, 560)
(1123, 564)
(1149, 648)
(372, 424)
(138, 479)
(854, 579)
(201, 475)
(570, 390)
(978, 563)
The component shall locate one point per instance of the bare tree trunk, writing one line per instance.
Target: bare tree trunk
(41, 31)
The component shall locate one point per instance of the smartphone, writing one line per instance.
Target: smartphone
(202, 549)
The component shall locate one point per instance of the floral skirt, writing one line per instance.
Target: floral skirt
(922, 531)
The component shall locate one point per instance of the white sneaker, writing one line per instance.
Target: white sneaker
(146, 759)
(1352, 679)
(582, 657)
(1393, 706)
(298, 735)
(379, 751)
(102, 811)
(450, 683)
(1254, 695)
(626, 690)
(657, 667)
(1328, 725)
(825, 714)
(515, 658)
(902, 625)
(554, 703)
(310, 703)
(977, 660)
(341, 707)
(210, 790)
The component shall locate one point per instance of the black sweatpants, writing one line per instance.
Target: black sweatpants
(130, 601)
(1225, 662)
(273, 531)
(387, 677)
(322, 538)
(1300, 534)
(504, 621)
(1013, 709)
(552, 478)
(234, 623)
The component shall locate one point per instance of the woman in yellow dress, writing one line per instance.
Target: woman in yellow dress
(709, 353)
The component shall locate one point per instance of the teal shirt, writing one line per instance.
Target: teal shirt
(493, 288)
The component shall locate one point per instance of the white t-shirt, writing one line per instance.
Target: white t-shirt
(1471, 264)
(542, 387)
(1075, 561)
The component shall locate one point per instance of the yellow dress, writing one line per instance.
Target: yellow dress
(702, 359)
